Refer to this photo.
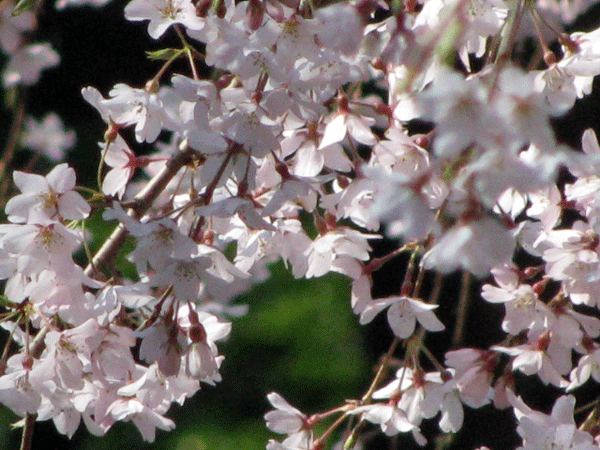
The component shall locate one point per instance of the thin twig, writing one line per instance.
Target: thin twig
(27, 436)
(461, 309)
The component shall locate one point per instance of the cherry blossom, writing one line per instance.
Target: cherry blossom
(300, 132)
(47, 197)
(162, 14)
(26, 64)
(403, 314)
(48, 137)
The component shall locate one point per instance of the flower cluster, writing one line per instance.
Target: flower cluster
(305, 117)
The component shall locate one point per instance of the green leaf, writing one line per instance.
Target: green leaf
(165, 54)
(22, 6)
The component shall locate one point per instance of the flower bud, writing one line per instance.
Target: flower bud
(255, 12)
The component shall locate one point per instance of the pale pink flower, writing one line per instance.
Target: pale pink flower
(533, 359)
(201, 356)
(524, 310)
(144, 418)
(476, 246)
(587, 366)
(12, 28)
(123, 161)
(16, 390)
(48, 137)
(333, 250)
(557, 430)
(26, 64)
(390, 418)
(284, 419)
(474, 371)
(48, 197)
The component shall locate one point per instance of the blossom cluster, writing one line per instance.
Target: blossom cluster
(304, 117)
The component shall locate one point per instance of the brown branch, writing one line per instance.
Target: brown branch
(143, 200)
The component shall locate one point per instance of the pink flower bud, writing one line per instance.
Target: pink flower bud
(255, 12)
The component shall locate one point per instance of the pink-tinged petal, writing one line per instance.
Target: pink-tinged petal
(429, 321)
(73, 206)
(374, 308)
(67, 422)
(115, 182)
(62, 178)
(399, 422)
(309, 161)
(18, 208)
(387, 391)
(549, 374)
(589, 143)
(417, 305)
(452, 414)
(283, 422)
(118, 154)
(360, 131)
(30, 183)
(149, 421)
(157, 29)
(337, 159)
(563, 409)
(529, 362)
(335, 131)
(495, 295)
(280, 403)
(402, 319)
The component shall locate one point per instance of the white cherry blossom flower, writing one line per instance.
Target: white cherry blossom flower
(557, 430)
(285, 419)
(403, 314)
(164, 13)
(128, 106)
(587, 366)
(47, 197)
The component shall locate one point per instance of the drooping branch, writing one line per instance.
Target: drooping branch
(143, 200)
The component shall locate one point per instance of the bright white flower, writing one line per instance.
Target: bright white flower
(128, 106)
(588, 366)
(390, 418)
(47, 197)
(164, 13)
(403, 314)
(144, 418)
(533, 359)
(554, 431)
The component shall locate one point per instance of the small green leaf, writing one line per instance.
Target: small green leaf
(165, 53)
(4, 301)
(22, 6)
